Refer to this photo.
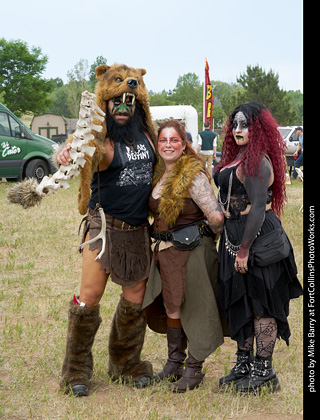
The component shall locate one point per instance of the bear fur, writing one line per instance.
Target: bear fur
(83, 324)
(126, 339)
(112, 82)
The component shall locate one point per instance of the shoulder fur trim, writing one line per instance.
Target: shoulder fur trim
(176, 186)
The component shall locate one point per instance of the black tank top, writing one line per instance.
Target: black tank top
(125, 185)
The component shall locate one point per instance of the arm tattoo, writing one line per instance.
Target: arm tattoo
(202, 194)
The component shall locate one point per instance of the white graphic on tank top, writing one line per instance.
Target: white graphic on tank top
(138, 167)
(141, 153)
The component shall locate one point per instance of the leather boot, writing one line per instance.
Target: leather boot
(177, 344)
(191, 378)
(240, 370)
(77, 368)
(261, 375)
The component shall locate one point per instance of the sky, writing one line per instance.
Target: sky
(169, 38)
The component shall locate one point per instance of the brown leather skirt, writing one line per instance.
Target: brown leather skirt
(127, 255)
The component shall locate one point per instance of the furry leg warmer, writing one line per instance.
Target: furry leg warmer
(125, 343)
(83, 324)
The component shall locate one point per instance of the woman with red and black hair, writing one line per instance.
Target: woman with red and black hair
(255, 299)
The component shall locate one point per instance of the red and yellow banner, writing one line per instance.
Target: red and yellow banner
(208, 98)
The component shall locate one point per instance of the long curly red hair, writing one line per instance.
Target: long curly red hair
(264, 138)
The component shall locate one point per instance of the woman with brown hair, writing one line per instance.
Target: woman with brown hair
(187, 219)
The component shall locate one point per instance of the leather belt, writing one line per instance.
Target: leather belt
(204, 230)
(117, 223)
(113, 222)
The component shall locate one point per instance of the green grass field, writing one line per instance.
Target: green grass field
(39, 273)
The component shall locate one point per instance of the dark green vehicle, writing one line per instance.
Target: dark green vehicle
(22, 152)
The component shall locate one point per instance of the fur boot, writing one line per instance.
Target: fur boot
(125, 344)
(77, 368)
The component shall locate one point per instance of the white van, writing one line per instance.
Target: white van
(291, 139)
(186, 113)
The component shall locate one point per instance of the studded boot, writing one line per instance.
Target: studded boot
(240, 370)
(177, 344)
(261, 375)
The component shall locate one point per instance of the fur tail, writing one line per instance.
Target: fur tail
(25, 194)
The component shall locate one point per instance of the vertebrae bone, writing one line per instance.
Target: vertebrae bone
(30, 192)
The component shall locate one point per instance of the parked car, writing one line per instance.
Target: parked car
(292, 140)
(22, 152)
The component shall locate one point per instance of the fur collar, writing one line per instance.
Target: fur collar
(175, 188)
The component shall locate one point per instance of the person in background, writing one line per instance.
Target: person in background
(251, 189)
(188, 133)
(298, 157)
(207, 146)
(182, 199)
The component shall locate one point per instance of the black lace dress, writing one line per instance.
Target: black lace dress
(262, 291)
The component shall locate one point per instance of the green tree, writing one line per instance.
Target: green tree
(296, 103)
(221, 92)
(92, 73)
(188, 91)
(219, 116)
(24, 90)
(229, 102)
(58, 82)
(59, 99)
(160, 99)
(78, 82)
(257, 85)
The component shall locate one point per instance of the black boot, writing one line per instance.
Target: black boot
(261, 375)
(177, 344)
(77, 368)
(191, 378)
(240, 370)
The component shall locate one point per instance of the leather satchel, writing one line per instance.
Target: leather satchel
(269, 248)
(186, 238)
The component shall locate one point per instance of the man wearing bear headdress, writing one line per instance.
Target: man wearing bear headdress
(117, 182)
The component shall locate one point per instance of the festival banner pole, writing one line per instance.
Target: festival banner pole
(208, 98)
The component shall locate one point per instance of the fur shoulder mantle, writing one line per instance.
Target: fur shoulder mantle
(175, 188)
